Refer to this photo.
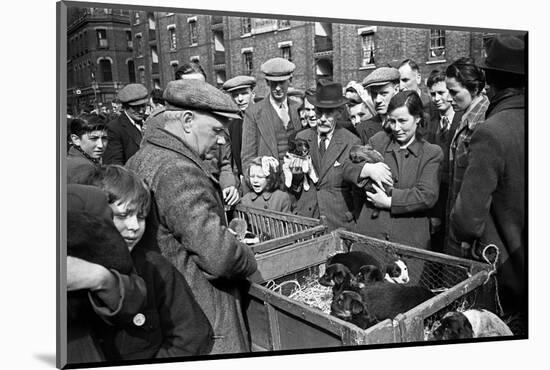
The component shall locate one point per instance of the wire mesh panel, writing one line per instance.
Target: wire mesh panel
(276, 229)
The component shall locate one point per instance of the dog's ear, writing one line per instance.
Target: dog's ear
(338, 278)
(356, 307)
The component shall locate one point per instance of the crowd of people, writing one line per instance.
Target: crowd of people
(166, 172)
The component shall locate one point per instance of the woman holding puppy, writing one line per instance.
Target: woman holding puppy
(411, 165)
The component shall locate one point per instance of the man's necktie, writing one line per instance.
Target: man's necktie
(284, 116)
(323, 145)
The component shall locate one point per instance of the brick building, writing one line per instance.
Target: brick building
(99, 55)
(147, 47)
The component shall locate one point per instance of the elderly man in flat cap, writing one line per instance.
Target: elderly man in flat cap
(329, 147)
(241, 90)
(125, 131)
(189, 222)
(268, 124)
(490, 207)
(382, 84)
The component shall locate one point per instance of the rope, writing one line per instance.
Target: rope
(492, 272)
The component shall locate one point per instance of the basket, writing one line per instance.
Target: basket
(277, 322)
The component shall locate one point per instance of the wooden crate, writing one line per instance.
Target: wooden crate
(277, 322)
(279, 228)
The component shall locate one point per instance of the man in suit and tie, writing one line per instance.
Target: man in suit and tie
(440, 130)
(329, 149)
(125, 131)
(268, 124)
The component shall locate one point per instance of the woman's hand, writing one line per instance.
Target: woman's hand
(230, 195)
(379, 199)
(82, 274)
(378, 172)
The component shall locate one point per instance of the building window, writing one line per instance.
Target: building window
(154, 55)
(193, 33)
(136, 18)
(172, 36)
(437, 43)
(131, 71)
(139, 45)
(142, 75)
(102, 41)
(106, 72)
(246, 26)
(286, 53)
(283, 23)
(129, 40)
(367, 46)
(248, 64)
(152, 22)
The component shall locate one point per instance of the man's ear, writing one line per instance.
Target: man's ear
(418, 78)
(188, 119)
(75, 139)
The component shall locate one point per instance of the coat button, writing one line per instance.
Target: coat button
(265, 207)
(139, 319)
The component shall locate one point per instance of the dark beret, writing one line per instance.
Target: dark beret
(133, 94)
(195, 94)
(239, 82)
(277, 69)
(381, 76)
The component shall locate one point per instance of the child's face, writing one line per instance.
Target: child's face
(129, 223)
(257, 179)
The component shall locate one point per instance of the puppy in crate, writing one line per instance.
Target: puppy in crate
(366, 153)
(297, 165)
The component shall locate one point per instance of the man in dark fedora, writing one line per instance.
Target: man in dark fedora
(188, 222)
(329, 149)
(490, 208)
(125, 131)
(269, 124)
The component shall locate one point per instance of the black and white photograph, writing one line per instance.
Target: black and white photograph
(254, 185)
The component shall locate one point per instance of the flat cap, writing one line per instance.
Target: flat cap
(381, 76)
(133, 94)
(195, 94)
(239, 82)
(277, 69)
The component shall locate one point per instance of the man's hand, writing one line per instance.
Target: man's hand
(378, 172)
(379, 199)
(230, 195)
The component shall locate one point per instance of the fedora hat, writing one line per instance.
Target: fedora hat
(506, 53)
(328, 96)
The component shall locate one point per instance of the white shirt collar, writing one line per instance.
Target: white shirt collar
(409, 143)
(132, 121)
(278, 106)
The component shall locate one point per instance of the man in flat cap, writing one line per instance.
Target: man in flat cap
(241, 90)
(490, 207)
(268, 124)
(125, 131)
(329, 147)
(382, 84)
(189, 223)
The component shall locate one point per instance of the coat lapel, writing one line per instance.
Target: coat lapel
(335, 148)
(266, 121)
(130, 129)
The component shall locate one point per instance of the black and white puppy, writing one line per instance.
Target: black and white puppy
(397, 272)
(470, 324)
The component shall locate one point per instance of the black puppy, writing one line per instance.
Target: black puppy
(349, 306)
(354, 260)
(368, 274)
(337, 276)
(299, 147)
(386, 300)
